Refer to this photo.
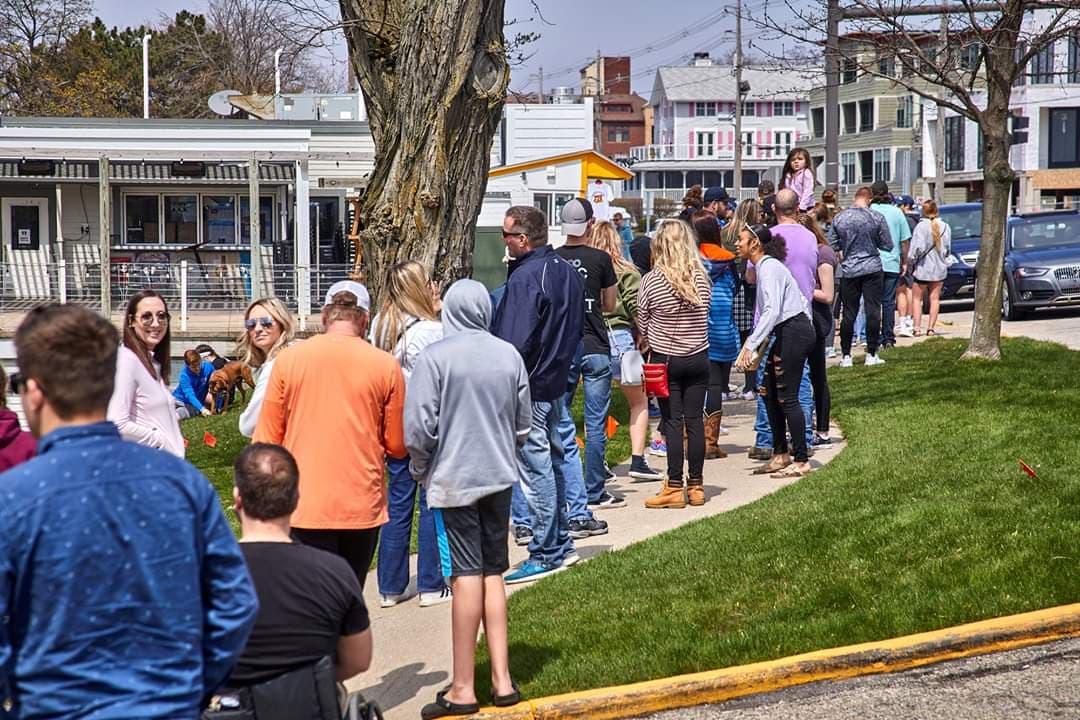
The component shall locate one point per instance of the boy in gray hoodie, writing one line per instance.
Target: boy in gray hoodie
(468, 468)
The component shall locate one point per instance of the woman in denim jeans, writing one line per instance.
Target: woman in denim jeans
(407, 323)
(620, 323)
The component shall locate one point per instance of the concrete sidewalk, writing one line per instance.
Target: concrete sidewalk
(412, 644)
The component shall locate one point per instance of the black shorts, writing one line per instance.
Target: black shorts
(907, 280)
(473, 539)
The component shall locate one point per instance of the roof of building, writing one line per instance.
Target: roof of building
(316, 127)
(717, 82)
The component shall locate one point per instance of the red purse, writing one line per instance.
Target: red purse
(656, 380)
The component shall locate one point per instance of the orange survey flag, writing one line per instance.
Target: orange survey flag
(612, 426)
(209, 440)
(1027, 469)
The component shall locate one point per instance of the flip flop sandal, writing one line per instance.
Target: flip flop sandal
(930, 332)
(791, 471)
(443, 708)
(512, 698)
(768, 469)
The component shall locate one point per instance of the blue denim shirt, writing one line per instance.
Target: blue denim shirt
(123, 593)
(542, 314)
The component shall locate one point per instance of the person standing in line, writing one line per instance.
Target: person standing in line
(782, 313)
(123, 592)
(904, 299)
(719, 203)
(16, 445)
(742, 301)
(801, 259)
(592, 366)
(893, 261)
(481, 383)
(821, 313)
(268, 329)
(335, 402)
(928, 260)
(621, 324)
(673, 315)
(142, 406)
(861, 236)
(406, 324)
(626, 234)
(766, 191)
(723, 335)
(798, 175)
(192, 393)
(541, 314)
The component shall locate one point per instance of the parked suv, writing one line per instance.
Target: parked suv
(965, 222)
(1042, 262)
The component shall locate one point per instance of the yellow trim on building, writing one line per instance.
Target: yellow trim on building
(593, 165)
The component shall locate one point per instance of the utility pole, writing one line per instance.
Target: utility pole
(738, 102)
(146, 76)
(939, 156)
(541, 75)
(832, 96)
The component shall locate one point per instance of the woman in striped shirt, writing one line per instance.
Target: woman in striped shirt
(673, 316)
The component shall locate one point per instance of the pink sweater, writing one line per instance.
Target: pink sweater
(142, 407)
(803, 185)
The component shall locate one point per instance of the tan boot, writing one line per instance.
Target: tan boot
(695, 494)
(712, 437)
(668, 497)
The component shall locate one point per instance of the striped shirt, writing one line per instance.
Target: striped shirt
(670, 324)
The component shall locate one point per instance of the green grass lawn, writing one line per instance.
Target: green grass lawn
(923, 522)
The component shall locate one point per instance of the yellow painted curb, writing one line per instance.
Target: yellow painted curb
(713, 686)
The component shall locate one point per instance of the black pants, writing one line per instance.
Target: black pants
(823, 332)
(356, 546)
(783, 375)
(750, 377)
(867, 287)
(719, 378)
(688, 378)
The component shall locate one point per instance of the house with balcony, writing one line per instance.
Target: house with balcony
(693, 139)
(1047, 164)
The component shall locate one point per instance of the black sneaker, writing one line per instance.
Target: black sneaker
(608, 474)
(584, 527)
(522, 535)
(639, 469)
(821, 443)
(607, 500)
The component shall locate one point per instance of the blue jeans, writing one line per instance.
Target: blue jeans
(393, 568)
(888, 307)
(595, 371)
(806, 401)
(860, 323)
(577, 498)
(544, 486)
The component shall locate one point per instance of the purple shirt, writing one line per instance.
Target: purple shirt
(802, 256)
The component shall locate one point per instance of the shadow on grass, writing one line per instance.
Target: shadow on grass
(526, 663)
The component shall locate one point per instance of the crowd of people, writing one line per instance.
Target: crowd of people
(115, 552)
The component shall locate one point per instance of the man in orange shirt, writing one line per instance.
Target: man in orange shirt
(335, 402)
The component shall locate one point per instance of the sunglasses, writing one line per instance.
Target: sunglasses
(147, 318)
(514, 234)
(266, 322)
(16, 383)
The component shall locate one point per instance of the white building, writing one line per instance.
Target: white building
(694, 129)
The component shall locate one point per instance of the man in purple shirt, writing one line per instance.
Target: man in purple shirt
(801, 260)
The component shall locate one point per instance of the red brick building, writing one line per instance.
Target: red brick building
(620, 116)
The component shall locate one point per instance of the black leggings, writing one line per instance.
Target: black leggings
(688, 378)
(749, 377)
(869, 288)
(356, 546)
(783, 375)
(823, 331)
(719, 378)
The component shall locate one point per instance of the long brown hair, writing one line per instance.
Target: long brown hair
(788, 171)
(930, 212)
(807, 221)
(134, 343)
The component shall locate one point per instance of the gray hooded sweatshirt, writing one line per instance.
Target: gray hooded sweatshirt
(479, 382)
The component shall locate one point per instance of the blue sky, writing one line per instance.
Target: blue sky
(573, 33)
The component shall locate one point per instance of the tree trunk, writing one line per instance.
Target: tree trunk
(434, 78)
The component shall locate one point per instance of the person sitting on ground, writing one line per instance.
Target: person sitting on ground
(192, 393)
(268, 329)
(481, 383)
(16, 445)
(310, 602)
(209, 354)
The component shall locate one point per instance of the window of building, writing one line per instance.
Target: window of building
(141, 221)
(849, 116)
(1074, 58)
(905, 107)
(970, 56)
(749, 109)
(849, 71)
(618, 133)
(617, 108)
(954, 143)
(706, 143)
(785, 108)
(181, 219)
(847, 168)
(883, 164)
(266, 220)
(705, 109)
(219, 219)
(748, 146)
(551, 204)
(866, 166)
(1042, 66)
(1064, 134)
(866, 115)
(782, 142)
(1021, 75)
(887, 66)
(818, 117)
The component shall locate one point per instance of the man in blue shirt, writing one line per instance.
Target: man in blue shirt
(894, 261)
(123, 590)
(542, 313)
(192, 391)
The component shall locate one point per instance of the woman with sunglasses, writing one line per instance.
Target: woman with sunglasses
(268, 327)
(142, 406)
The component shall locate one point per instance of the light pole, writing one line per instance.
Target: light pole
(146, 76)
(277, 72)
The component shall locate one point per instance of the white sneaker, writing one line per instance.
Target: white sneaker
(845, 361)
(427, 599)
(748, 395)
(874, 360)
(389, 601)
(830, 352)
(905, 331)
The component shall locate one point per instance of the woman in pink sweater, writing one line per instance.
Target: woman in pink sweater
(798, 175)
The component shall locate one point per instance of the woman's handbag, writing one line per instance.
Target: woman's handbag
(631, 368)
(758, 355)
(656, 380)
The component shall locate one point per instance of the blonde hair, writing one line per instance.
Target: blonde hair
(605, 237)
(255, 356)
(930, 212)
(407, 292)
(747, 213)
(675, 256)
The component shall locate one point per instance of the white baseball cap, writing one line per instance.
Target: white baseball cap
(363, 299)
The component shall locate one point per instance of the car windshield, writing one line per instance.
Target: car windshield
(963, 223)
(1039, 233)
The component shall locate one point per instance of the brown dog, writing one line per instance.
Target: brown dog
(228, 379)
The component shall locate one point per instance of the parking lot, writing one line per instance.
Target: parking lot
(1061, 325)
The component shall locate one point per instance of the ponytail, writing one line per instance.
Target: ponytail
(935, 227)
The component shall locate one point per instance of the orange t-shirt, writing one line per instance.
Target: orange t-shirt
(336, 403)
